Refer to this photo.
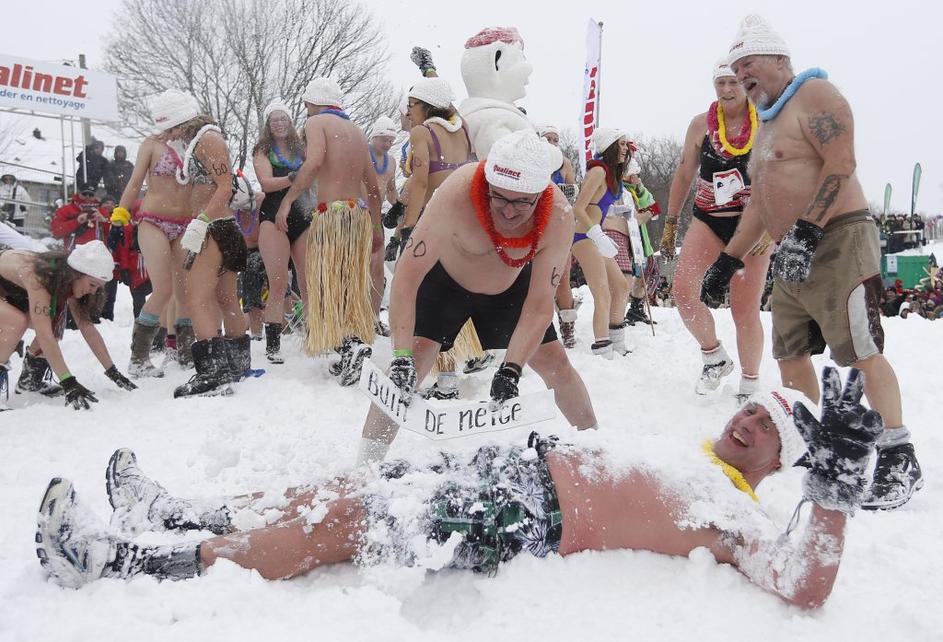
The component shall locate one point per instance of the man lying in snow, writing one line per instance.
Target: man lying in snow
(545, 498)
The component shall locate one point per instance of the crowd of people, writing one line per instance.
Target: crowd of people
(485, 233)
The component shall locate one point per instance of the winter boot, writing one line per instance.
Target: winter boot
(897, 477)
(617, 337)
(4, 385)
(76, 548)
(36, 377)
(636, 312)
(602, 348)
(141, 339)
(157, 346)
(477, 364)
(717, 365)
(273, 343)
(239, 353)
(185, 340)
(568, 328)
(212, 377)
(355, 352)
(140, 504)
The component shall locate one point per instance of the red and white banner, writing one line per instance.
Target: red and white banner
(589, 117)
(54, 88)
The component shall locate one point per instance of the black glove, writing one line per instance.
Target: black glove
(115, 237)
(391, 218)
(717, 279)
(794, 256)
(76, 394)
(120, 380)
(403, 374)
(504, 385)
(392, 249)
(840, 444)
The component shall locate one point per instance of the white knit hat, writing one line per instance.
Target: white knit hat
(546, 128)
(778, 404)
(756, 37)
(604, 137)
(172, 107)
(93, 259)
(384, 126)
(520, 162)
(324, 92)
(556, 157)
(433, 91)
(275, 105)
(722, 69)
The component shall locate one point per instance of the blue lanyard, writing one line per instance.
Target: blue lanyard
(773, 111)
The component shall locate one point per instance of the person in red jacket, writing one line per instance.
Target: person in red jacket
(80, 220)
(129, 264)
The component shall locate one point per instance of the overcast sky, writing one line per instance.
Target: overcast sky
(886, 57)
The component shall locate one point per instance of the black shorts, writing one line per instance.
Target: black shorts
(231, 244)
(298, 221)
(723, 227)
(443, 307)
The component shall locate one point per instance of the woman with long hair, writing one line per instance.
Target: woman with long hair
(595, 251)
(216, 253)
(277, 156)
(161, 221)
(717, 151)
(36, 291)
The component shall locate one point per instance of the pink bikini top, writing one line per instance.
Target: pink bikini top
(167, 164)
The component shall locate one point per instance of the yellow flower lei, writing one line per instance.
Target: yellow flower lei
(722, 131)
(735, 475)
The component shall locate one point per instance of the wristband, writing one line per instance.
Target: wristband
(428, 71)
(67, 375)
(203, 217)
(404, 352)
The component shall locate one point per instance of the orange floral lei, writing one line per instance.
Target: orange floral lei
(481, 201)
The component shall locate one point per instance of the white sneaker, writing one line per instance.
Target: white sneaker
(717, 365)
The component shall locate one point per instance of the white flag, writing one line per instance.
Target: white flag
(589, 110)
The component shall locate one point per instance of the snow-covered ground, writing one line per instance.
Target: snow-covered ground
(295, 424)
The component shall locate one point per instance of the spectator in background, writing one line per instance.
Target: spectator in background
(118, 172)
(91, 165)
(13, 213)
(129, 266)
(80, 220)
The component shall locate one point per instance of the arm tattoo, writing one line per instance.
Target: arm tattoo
(220, 169)
(828, 192)
(825, 127)
(555, 278)
(40, 309)
(420, 249)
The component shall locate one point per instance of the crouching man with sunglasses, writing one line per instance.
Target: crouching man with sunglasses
(490, 246)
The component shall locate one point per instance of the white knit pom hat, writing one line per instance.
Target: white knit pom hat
(778, 404)
(722, 69)
(384, 126)
(520, 162)
(93, 259)
(433, 91)
(546, 128)
(324, 92)
(604, 137)
(173, 107)
(756, 37)
(276, 105)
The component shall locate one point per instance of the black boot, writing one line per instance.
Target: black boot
(36, 377)
(240, 357)
(211, 360)
(636, 312)
(185, 346)
(273, 343)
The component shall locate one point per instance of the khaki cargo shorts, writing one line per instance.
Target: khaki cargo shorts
(838, 304)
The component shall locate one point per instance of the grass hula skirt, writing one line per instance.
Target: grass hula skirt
(467, 346)
(338, 275)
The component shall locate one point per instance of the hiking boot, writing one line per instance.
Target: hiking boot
(896, 478)
(602, 349)
(567, 320)
(478, 364)
(717, 365)
(356, 352)
(142, 337)
(273, 343)
(36, 376)
(617, 338)
(212, 377)
(185, 339)
(636, 312)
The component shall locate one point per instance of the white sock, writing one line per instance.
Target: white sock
(371, 451)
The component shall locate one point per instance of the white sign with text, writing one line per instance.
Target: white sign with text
(54, 88)
(454, 420)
